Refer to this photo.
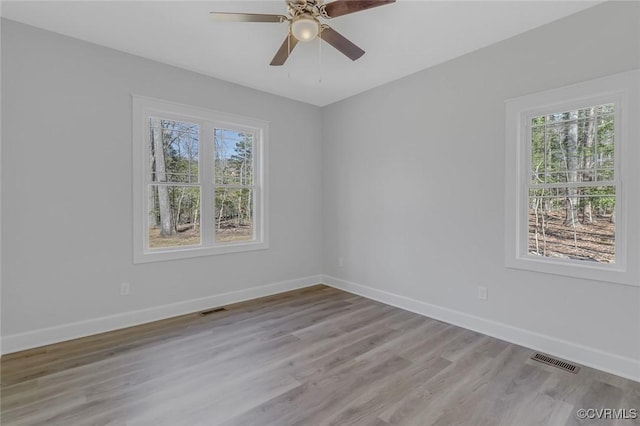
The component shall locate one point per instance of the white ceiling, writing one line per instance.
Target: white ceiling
(399, 38)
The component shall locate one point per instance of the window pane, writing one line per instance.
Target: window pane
(234, 215)
(173, 151)
(573, 146)
(573, 223)
(233, 157)
(174, 216)
(538, 150)
(604, 150)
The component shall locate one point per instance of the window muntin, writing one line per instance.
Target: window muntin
(199, 182)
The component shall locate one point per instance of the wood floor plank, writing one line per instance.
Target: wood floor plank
(317, 356)
(377, 397)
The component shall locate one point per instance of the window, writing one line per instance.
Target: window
(572, 186)
(199, 182)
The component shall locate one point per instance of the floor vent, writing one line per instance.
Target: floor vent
(549, 360)
(212, 311)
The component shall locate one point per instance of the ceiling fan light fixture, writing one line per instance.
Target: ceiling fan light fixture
(305, 28)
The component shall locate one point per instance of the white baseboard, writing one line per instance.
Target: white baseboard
(45, 336)
(588, 356)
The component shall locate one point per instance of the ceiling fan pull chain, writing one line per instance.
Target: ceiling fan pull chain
(320, 57)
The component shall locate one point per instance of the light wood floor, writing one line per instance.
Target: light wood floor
(310, 357)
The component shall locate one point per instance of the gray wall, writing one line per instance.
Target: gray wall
(414, 184)
(67, 194)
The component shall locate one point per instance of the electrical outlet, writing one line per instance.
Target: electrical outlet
(340, 262)
(483, 293)
(125, 288)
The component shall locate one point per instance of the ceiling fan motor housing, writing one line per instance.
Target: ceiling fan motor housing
(306, 7)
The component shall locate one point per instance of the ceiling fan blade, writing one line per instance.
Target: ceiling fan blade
(285, 50)
(246, 17)
(341, 43)
(344, 7)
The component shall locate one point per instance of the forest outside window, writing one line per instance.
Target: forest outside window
(199, 183)
(573, 186)
(568, 211)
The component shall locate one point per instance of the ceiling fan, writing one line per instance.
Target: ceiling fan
(304, 23)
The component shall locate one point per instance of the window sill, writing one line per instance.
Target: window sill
(609, 273)
(161, 255)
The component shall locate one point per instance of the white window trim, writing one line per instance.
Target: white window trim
(207, 119)
(624, 90)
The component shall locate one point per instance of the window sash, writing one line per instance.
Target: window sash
(524, 176)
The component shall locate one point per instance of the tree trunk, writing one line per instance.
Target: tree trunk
(222, 201)
(612, 218)
(161, 176)
(587, 163)
(587, 216)
(154, 217)
(248, 209)
(196, 210)
(179, 212)
(535, 209)
(571, 146)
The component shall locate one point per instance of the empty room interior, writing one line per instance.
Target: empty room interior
(301, 212)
